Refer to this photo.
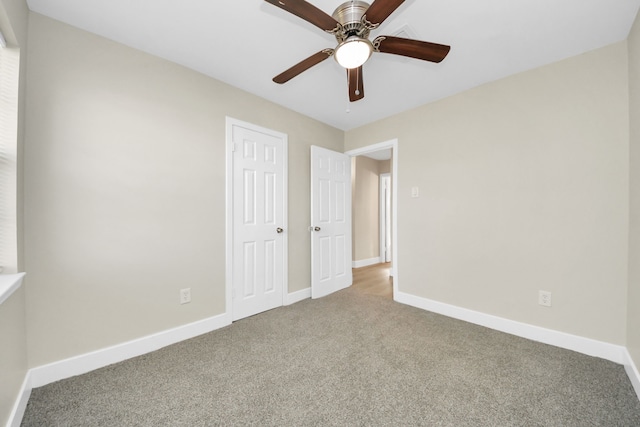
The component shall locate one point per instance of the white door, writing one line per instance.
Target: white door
(259, 253)
(330, 221)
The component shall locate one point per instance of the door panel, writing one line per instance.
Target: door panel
(331, 221)
(270, 198)
(269, 266)
(249, 265)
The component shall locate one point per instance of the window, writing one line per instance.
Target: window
(9, 81)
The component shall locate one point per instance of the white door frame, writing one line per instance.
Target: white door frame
(393, 145)
(385, 221)
(230, 123)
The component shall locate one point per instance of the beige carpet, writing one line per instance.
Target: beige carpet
(346, 359)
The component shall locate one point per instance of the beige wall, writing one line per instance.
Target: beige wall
(633, 303)
(366, 206)
(13, 356)
(384, 166)
(125, 190)
(523, 186)
(366, 225)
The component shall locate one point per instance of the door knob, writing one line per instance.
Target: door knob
(279, 230)
(316, 228)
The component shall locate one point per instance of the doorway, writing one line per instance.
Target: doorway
(378, 264)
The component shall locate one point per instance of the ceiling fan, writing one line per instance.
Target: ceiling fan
(351, 24)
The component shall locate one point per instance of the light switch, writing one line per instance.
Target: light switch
(415, 192)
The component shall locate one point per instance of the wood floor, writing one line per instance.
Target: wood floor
(374, 280)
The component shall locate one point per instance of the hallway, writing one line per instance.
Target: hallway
(374, 280)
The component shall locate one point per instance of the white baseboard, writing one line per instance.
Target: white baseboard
(588, 346)
(83, 363)
(366, 262)
(298, 296)
(17, 413)
(632, 372)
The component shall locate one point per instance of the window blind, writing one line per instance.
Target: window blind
(9, 81)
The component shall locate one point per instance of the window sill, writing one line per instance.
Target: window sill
(8, 285)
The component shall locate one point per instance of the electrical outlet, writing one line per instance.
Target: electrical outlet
(544, 298)
(185, 295)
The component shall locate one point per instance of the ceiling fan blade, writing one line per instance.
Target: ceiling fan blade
(426, 51)
(303, 65)
(356, 87)
(380, 10)
(308, 12)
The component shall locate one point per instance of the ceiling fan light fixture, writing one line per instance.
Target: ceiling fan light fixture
(353, 52)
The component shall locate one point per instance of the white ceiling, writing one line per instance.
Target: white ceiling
(379, 155)
(245, 43)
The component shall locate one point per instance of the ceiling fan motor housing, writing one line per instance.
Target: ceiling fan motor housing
(349, 15)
